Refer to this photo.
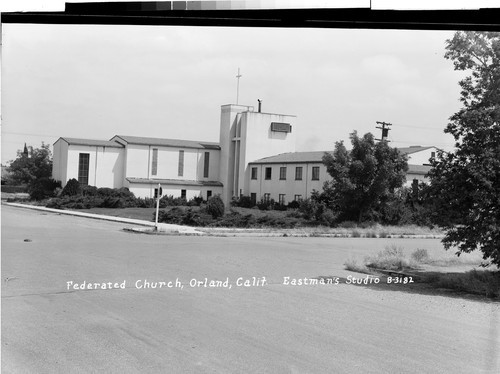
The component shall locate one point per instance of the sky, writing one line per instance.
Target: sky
(97, 81)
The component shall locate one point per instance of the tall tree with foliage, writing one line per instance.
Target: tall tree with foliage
(30, 166)
(465, 184)
(363, 179)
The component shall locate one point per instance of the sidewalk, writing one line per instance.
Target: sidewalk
(162, 227)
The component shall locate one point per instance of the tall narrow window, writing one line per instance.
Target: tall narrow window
(268, 173)
(315, 173)
(206, 165)
(283, 173)
(281, 199)
(183, 194)
(298, 173)
(83, 168)
(154, 165)
(209, 194)
(181, 164)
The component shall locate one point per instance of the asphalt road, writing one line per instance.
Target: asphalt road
(266, 328)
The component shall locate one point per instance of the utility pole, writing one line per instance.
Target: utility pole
(385, 130)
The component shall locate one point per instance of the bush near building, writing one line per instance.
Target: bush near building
(77, 196)
(215, 206)
(43, 188)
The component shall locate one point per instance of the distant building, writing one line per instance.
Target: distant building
(255, 157)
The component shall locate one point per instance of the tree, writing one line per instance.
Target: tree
(465, 184)
(30, 166)
(364, 178)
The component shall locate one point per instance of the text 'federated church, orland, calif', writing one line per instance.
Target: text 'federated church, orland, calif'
(255, 157)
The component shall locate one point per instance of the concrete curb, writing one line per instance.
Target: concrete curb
(162, 227)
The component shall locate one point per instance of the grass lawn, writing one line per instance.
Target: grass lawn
(146, 214)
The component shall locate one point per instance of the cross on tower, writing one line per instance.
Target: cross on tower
(238, 86)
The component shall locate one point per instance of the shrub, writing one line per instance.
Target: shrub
(352, 265)
(328, 217)
(42, 188)
(294, 214)
(195, 201)
(356, 234)
(92, 197)
(235, 219)
(72, 188)
(174, 215)
(308, 208)
(420, 255)
(266, 204)
(242, 202)
(391, 258)
(215, 206)
(146, 202)
(280, 207)
(89, 190)
(170, 200)
(293, 204)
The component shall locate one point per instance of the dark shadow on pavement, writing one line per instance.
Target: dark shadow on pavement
(422, 284)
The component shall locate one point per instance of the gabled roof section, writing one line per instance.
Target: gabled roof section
(412, 149)
(292, 158)
(90, 142)
(139, 140)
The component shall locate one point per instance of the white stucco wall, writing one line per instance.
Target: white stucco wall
(140, 162)
(230, 117)
(109, 171)
(290, 187)
(258, 141)
(213, 165)
(105, 165)
(60, 162)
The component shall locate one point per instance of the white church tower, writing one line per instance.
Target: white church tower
(247, 135)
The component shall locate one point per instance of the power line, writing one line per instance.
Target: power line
(424, 144)
(29, 134)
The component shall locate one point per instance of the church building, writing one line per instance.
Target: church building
(255, 157)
